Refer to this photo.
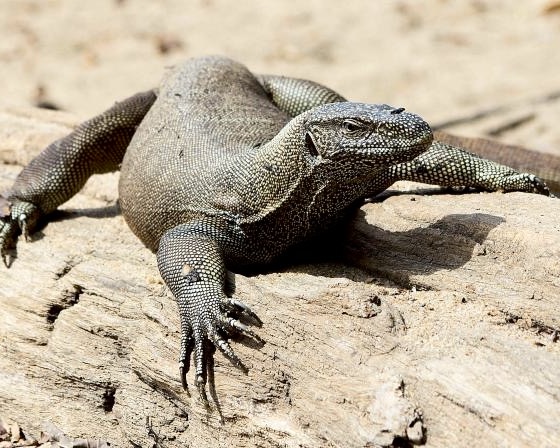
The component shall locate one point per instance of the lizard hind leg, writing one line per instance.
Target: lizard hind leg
(295, 96)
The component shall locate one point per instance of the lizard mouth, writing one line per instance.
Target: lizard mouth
(399, 155)
(382, 155)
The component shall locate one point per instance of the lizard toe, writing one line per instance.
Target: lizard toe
(16, 218)
(526, 182)
(187, 346)
(538, 185)
(205, 372)
(232, 304)
(200, 365)
(200, 383)
(233, 325)
(8, 236)
(227, 351)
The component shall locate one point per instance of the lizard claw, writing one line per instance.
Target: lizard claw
(234, 325)
(202, 335)
(232, 304)
(227, 351)
(5, 256)
(187, 346)
(15, 218)
(22, 222)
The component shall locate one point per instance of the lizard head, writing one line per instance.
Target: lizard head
(373, 135)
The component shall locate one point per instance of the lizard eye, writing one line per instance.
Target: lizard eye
(351, 126)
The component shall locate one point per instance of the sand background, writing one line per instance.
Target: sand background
(441, 59)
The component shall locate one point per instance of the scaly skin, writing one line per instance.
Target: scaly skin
(226, 169)
(546, 166)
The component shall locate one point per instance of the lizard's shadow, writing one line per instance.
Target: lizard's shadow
(107, 211)
(446, 244)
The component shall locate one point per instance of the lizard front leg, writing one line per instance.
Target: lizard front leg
(448, 165)
(62, 168)
(191, 263)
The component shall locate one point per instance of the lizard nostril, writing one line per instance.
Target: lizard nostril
(397, 111)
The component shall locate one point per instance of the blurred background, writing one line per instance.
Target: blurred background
(487, 68)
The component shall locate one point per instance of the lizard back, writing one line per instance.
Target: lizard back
(207, 110)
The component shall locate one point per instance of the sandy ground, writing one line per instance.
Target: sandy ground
(442, 59)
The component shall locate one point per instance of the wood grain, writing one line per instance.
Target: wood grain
(439, 325)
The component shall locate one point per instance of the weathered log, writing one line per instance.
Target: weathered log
(439, 326)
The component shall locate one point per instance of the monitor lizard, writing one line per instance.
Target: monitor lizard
(221, 168)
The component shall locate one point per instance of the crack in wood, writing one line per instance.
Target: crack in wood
(68, 298)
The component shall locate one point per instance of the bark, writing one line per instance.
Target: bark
(437, 323)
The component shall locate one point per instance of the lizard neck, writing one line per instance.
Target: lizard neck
(259, 180)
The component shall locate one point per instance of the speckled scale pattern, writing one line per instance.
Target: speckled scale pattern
(227, 168)
(62, 168)
(202, 122)
(447, 165)
(96, 146)
(304, 94)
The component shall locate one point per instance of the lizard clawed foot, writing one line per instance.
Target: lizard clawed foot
(16, 218)
(526, 182)
(201, 338)
(8, 235)
(234, 305)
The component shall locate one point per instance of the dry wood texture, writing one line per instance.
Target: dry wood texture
(439, 327)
